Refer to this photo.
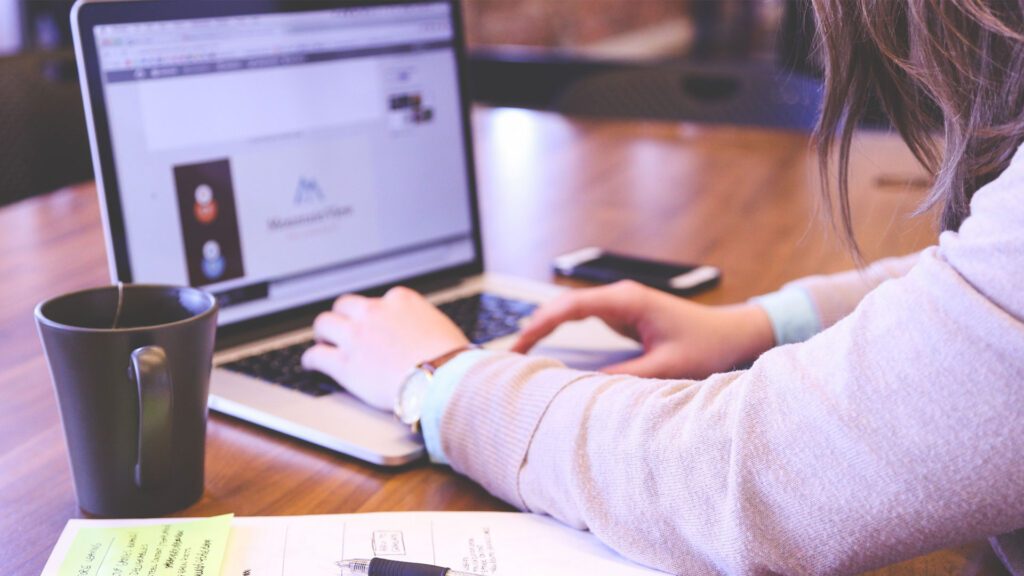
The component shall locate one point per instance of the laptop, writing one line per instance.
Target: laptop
(279, 154)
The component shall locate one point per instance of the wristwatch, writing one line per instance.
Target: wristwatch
(415, 383)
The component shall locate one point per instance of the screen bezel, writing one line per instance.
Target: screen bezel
(89, 14)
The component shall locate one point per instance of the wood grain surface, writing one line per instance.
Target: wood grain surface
(741, 199)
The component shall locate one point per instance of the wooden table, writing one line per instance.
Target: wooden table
(741, 199)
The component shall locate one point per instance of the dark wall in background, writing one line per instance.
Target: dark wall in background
(43, 142)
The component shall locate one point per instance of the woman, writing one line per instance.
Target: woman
(893, 431)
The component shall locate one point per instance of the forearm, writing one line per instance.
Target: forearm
(802, 308)
(836, 295)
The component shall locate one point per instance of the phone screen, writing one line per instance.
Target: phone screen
(624, 267)
(597, 265)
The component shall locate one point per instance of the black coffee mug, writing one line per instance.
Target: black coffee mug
(131, 370)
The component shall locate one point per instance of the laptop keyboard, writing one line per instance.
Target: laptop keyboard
(486, 317)
(284, 366)
(482, 317)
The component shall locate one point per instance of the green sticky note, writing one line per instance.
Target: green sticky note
(194, 548)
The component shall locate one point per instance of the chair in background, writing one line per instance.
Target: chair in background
(752, 94)
(722, 76)
(43, 139)
(749, 95)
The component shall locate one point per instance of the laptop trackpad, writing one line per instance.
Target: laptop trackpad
(587, 345)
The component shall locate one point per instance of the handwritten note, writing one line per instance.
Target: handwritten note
(193, 548)
(486, 543)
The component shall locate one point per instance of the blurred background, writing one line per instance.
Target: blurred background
(734, 61)
(627, 30)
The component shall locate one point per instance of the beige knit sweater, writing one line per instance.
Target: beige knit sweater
(894, 432)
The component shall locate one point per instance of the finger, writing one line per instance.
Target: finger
(333, 328)
(327, 359)
(352, 305)
(400, 292)
(544, 320)
(604, 302)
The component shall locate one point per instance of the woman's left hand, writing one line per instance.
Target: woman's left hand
(368, 344)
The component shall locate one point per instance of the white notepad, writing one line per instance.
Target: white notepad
(488, 543)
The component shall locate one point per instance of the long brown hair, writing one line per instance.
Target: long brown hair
(954, 67)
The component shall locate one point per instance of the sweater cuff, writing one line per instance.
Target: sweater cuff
(792, 313)
(442, 386)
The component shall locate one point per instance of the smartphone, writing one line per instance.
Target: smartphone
(598, 265)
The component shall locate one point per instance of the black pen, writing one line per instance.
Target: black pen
(382, 567)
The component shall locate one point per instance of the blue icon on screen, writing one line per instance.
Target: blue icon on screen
(213, 260)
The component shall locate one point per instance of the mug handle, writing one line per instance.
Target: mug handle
(156, 400)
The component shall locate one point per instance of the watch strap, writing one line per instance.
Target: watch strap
(431, 366)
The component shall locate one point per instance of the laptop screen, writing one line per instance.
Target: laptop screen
(279, 159)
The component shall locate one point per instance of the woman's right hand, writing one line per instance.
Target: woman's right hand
(681, 339)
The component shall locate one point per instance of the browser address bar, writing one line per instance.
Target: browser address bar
(217, 47)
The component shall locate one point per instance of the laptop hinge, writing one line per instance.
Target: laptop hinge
(255, 331)
(436, 284)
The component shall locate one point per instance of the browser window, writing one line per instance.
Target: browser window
(280, 159)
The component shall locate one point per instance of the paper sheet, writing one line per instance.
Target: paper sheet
(195, 548)
(486, 543)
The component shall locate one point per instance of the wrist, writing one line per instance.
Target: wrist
(413, 389)
(446, 381)
(792, 314)
(754, 327)
(434, 363)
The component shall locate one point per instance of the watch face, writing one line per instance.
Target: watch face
(413, 393)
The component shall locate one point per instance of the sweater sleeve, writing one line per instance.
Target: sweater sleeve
(892, 433)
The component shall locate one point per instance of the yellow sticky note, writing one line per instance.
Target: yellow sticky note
(194, 548)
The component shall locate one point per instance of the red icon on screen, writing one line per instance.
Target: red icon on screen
(205, 207)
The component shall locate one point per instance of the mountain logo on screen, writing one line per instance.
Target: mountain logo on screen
(308, 191)
(312, 208)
